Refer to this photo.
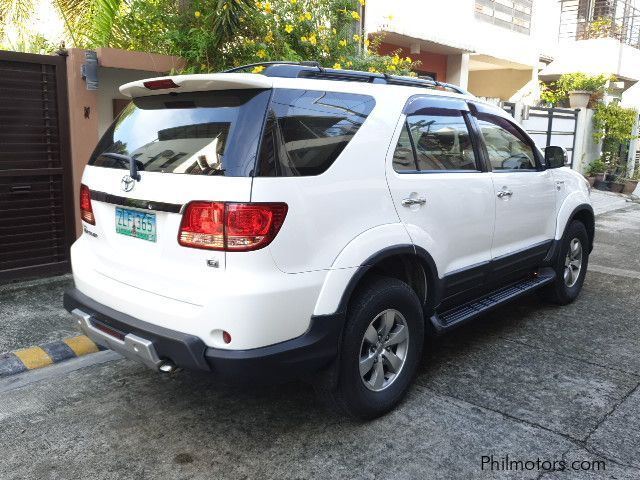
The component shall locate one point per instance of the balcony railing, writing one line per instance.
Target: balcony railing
(589, 19)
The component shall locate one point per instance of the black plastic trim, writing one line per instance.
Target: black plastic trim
(292, 359)
(186, 351)
(590, 228)
(434, 285)
(135, 203)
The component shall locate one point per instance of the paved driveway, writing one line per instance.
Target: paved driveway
(526, 386)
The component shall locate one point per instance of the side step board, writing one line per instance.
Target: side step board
(458, 315)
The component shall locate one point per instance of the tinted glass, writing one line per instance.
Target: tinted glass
(507, 147)
(307, 130)
(437, 139)
(199, 133)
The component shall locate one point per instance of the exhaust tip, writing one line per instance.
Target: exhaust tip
(167, 367)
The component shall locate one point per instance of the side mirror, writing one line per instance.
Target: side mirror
(555, 157)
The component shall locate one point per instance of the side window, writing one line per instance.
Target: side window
(435, 139)
(508, 148)
(307, 130)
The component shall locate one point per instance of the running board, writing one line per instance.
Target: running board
(458, 315)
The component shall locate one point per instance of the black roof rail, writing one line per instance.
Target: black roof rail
(270, 64)
(314, 70)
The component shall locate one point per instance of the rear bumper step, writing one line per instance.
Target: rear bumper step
(459, 315)
(157, 346)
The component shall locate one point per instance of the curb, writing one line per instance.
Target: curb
(31, 358)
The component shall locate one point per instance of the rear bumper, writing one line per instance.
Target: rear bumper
(154, 345)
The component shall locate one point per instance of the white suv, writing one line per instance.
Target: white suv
(316, 223)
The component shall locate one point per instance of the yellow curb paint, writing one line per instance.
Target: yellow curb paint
(81, 345)
(33, 357)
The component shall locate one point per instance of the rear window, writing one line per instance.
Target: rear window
(306, 130)
(198, 133)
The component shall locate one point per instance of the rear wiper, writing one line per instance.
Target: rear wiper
(133, 163)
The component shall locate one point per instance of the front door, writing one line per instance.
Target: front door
(525, 197)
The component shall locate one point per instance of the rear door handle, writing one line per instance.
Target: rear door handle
(407, 202)
(504, 193)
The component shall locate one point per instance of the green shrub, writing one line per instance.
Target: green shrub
(596, 167)
(558, 92)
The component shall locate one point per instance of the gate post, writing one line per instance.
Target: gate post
(585, 149)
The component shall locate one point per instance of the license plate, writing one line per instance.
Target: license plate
(135, 223)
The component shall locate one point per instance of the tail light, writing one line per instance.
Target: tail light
(237, 227)
(86, 210)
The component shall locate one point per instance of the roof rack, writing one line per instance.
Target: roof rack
(269, 64)
(316, 71)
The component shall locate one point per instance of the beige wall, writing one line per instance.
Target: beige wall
(502, 84)
(83, 122)
(110, 80)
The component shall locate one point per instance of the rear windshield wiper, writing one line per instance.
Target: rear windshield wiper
(134, 165)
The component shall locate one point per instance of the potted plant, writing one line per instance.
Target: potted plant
(596, 171)
(631, 183)
(580, 89)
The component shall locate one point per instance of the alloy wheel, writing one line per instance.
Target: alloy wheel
(573, 263)
(383, 350)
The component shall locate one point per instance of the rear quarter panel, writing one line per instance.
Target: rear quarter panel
(327, 212)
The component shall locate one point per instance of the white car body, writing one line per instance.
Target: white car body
(335, 224)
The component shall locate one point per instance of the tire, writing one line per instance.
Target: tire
(565, 290)
(372, 395)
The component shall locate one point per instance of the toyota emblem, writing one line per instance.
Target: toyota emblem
(127, 183)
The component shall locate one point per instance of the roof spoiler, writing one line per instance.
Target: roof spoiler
(194, 83)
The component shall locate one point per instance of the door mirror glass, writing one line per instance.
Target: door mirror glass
(555, 157)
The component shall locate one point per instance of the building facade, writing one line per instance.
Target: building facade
(500, 49)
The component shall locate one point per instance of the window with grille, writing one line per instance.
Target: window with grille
(511, 14)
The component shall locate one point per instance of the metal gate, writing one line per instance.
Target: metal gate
(548, 126)
(36, 190)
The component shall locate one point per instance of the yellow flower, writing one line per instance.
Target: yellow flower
(355, 15)
(366, 42)
(335, 32)
(391, 68)
(261, 54)
(197, 14)
(337, 66)
(293, 2)
(257, 69)
(268, 37)
(267, 7)
(288, 28)
(343, 43)
(303, 39)
(308, 16)
(408, 60)
(362, 2)
(313, 39)
(259, 5)
(395, 60)
(349, 64)
(373, 70)
(356, 38)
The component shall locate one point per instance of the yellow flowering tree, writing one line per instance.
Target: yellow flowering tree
(218, 34)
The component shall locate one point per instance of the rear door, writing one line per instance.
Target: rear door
(441, 192)
(524, 195)
(187, 146)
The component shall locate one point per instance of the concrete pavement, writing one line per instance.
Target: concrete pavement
(527, 383)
